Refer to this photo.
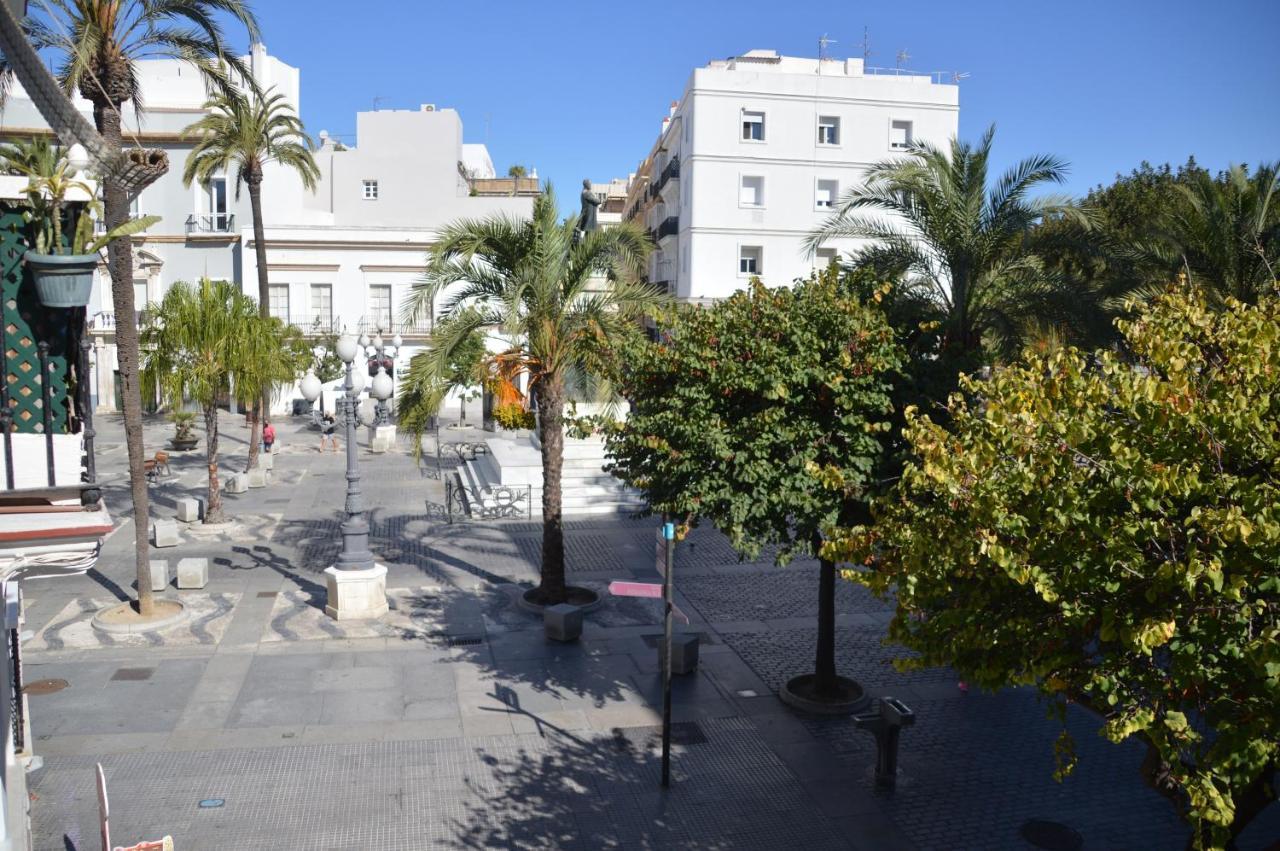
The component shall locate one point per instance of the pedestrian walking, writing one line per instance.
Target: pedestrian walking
(327, 427)
(268, 436)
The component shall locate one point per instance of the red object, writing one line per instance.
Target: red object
(269, 433)
(651, 590)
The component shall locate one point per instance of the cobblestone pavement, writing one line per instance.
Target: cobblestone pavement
(453, 723)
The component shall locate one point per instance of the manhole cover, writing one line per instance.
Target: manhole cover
(1051, 835)
(44, 686)
(133, 674)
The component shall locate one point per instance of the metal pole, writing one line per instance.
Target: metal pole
(669, 533)
(90, 496)
(46, 403)
(355, 530)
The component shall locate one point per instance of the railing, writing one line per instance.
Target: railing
(389, 326)
(670, 227)
(504, 501)
(671, 172)
(504, 186)
(211, 223)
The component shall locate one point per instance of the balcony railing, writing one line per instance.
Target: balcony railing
(670, 227)
(312, 325)
(211, 223)
(671, 172)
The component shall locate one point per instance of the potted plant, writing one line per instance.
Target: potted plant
(184, 433)
(63, 268)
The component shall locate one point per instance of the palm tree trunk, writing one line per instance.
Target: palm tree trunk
(212, 513)
(253, 178)
(120, 263)
(551, 424)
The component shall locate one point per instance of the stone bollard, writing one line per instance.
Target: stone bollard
(562, 622)
(159, 574)
(193, 572)
(164, 533)
(189, 510)
(259, 477)
(267, 460)
(237, 483)
(684, 652)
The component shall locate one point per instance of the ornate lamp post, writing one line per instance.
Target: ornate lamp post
(382, 362)
(357, 585)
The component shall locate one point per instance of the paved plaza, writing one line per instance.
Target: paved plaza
(453, 723)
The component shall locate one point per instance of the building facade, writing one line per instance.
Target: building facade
(756, 154)
(341, 258)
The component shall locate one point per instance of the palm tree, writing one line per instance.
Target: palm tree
(244, 132)
(203, 339)
(528, 280)
(1225, 235)
(962, 248)
(100, 42)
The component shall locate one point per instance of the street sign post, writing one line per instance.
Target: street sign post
(669, 536)
(652, 590)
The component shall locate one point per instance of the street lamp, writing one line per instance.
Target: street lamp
(381, 361)
(357, 585)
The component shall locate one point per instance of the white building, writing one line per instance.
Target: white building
(758, 150)
(341, 258)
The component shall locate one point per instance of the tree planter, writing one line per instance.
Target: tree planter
(846, 699)
(183, 445)
(62, 280)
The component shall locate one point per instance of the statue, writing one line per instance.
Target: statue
(590, 201)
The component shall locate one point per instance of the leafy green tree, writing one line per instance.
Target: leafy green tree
(959, 245)
(242, 132)
(763, 414)
(1107, 531)
(1226, 233)
(533, 281)
(100, 42)
(203, 338)
(517, 171)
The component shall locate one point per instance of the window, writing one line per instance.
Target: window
(278, 301)
(218, 218)
(380, 306)
(900, 135)
(749, 260)
(827, 193)
(825, 257)
(371, 190)
(322, 305)
(751, 192)
(753, 126)
(828, 130)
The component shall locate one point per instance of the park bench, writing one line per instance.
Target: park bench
(157, 466)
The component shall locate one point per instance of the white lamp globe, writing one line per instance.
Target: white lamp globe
(77, 159)
(370, 351)
(377, 341)
(319, 351)
(346, 348)
(397, 341)
(365, 414)
(382, 386)
(364, 339)
(390, 351)
(310, 386)
(358, 380)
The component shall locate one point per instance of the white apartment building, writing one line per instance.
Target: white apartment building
(340, 259)
(756, 154)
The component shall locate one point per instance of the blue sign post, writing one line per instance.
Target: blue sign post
(669, 535)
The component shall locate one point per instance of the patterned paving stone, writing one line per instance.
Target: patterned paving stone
(415, 613)
(72, 628)
(771, 594)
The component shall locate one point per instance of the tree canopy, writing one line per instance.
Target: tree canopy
(1122, 517)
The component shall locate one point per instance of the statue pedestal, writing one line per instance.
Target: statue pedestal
(356, 594)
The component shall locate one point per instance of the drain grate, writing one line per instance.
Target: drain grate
(465, 640)
(267, 595)
(654, 640)
(133, 674)
(44, 686)
(1051, 835)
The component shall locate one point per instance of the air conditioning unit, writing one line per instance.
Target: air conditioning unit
(428, 107)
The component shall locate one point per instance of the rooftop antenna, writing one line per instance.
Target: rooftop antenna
(866, 44)
(377, 100)
(823, 43)
(958, 76)
(902, 58)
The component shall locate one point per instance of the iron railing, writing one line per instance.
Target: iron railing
(211, 223)
(467, 503)
(17, 708)
(670, 227)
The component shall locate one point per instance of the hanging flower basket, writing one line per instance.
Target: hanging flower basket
(63, 280)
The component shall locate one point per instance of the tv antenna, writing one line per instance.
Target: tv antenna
(866, 44)
(958, 76)
(902, 58)
(823, 43)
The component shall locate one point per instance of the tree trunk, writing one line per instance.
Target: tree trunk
(213, 511)
(551, 421)
(824, 682)
(253, 179)
(120, 262)
(462, 409)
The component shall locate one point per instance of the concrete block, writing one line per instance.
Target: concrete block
(164, 533)
(189, 510)
(259, 478)
(237, 483)
(267, 460)
(159, 574)
(193, 572)
(684, 652)
(381, 444)
(562, 622)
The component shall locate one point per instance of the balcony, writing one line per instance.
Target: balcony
(671, 172)
(670, 227)
(323, 325)
(210, 223)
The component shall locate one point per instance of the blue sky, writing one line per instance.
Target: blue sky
(578, 89)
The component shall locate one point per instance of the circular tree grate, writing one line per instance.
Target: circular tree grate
(1051, 835)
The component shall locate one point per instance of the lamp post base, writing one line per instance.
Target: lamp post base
(356, 594)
